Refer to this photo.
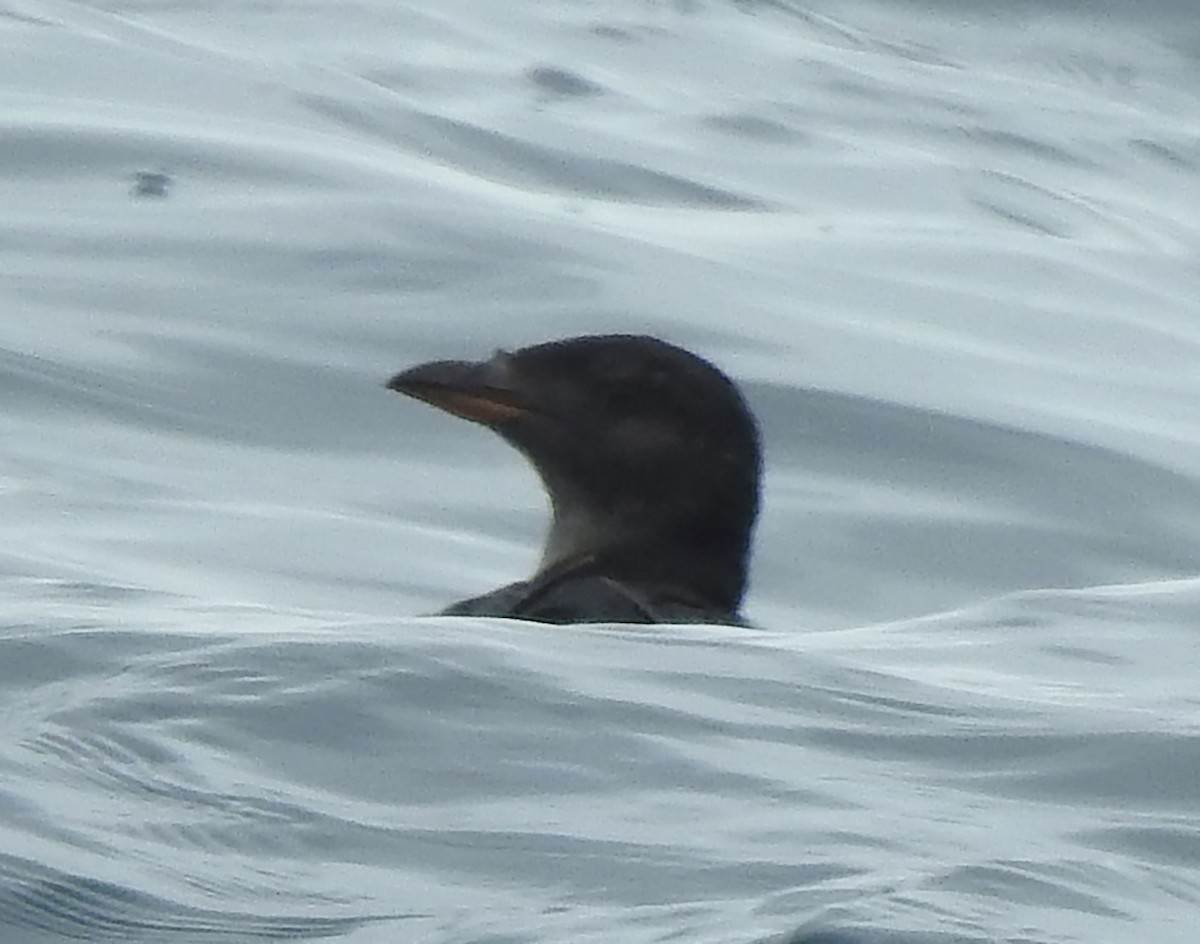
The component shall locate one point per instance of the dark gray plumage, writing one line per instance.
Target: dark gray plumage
(651, 461)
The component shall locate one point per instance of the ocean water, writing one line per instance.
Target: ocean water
(951, 251)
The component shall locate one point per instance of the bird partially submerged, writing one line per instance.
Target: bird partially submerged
(651, 461)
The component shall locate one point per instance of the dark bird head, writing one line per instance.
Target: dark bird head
(649, 454)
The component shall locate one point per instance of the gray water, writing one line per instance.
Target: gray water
(950, 251)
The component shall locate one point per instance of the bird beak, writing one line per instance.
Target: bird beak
(477, 391)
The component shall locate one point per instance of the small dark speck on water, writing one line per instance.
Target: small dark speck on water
(151, 184)
(561, 82)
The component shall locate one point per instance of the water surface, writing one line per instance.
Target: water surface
(948, 251)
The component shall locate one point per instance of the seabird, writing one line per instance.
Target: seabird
(651, 461)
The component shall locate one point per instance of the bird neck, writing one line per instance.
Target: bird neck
(638, 548)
